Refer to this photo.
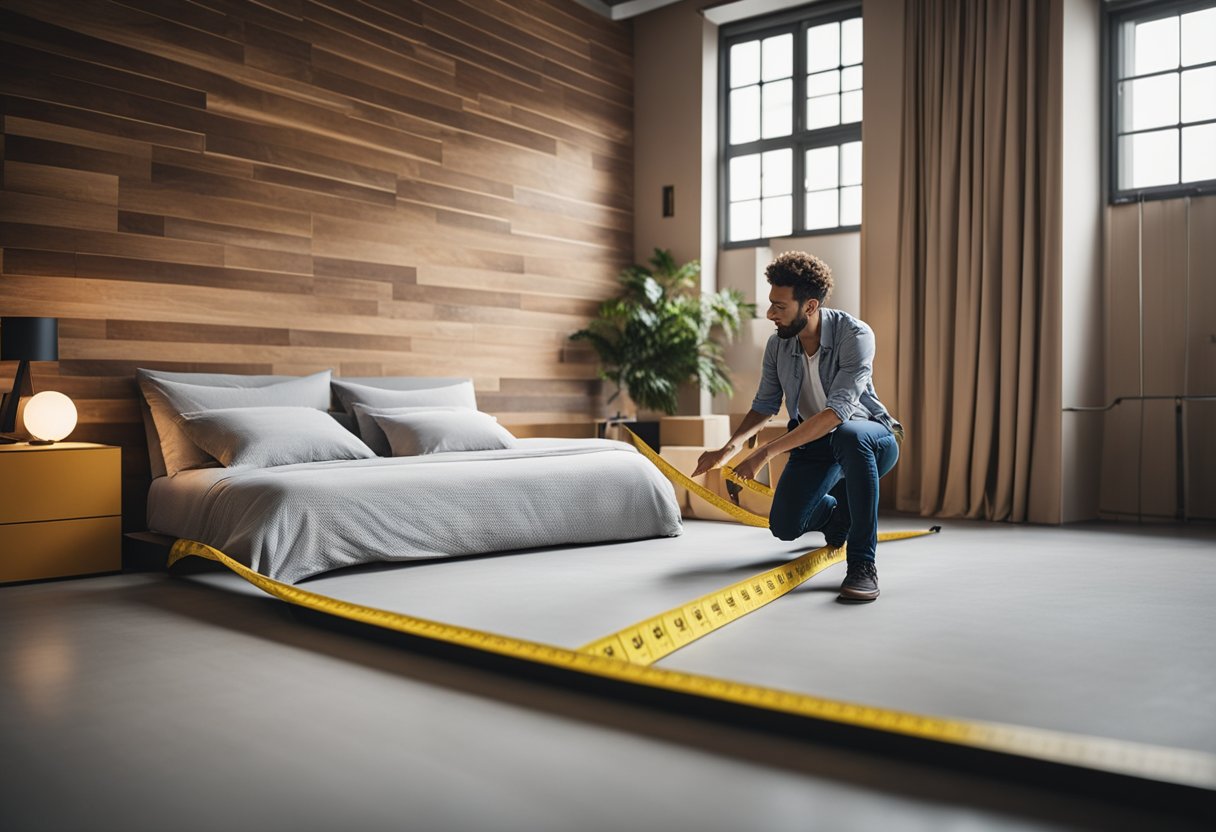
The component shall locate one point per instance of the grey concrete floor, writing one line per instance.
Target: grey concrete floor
(147, 701)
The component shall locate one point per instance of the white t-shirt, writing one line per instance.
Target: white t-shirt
(811, 398)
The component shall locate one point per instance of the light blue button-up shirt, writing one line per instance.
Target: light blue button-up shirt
(846, 367)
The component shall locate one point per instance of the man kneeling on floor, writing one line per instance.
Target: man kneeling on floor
(841, 439)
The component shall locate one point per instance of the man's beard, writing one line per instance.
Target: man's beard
(785, 333)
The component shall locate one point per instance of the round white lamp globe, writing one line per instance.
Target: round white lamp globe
(49, 416)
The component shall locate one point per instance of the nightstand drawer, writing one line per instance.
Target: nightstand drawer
(55, 484)
(29, 551)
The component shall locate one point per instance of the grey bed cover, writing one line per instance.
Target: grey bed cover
(291, 522)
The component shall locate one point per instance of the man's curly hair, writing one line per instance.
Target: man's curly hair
(807, 274)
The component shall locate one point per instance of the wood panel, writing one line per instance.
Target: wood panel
(1161, 341)
(1201, 359)
(377, 186)
(1121, 490)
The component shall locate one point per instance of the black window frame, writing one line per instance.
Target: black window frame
(1116, 14)
(800, 140)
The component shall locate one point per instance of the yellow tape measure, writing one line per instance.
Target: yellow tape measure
(648, 641)
(1162, 764)
(681, 479)
(751, 485)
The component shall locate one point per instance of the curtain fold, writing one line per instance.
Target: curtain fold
(978, 341)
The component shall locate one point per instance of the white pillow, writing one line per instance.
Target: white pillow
(347, 396)
(452, 395)
(372, 434)
(168, 399)
(431, 432)
(156, 457)
(262, 437)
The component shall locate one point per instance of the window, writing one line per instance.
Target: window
(1163, 99)
(791, 124)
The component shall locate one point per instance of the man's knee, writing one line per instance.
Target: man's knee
(852, 440)
(784, 526)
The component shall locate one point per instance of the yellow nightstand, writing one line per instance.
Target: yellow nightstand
(60, 510)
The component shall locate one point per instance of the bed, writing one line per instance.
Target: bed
(300, 519)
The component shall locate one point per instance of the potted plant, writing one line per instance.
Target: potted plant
(660, 332)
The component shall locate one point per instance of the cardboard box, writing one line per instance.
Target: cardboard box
(695, 431)
(703, 510)
(684, 459)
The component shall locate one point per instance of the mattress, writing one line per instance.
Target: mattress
(292, 522)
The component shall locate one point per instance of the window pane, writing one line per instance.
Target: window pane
(778, 57)
(1154, 46)
(1199, 153)
(822, 209)
(850, 163)
(1199, 94)
(745, 64)
(778, 217)
(745, 115)
(823, 83)
(778, 172)
(1199, 37)
(1149, 102)
(823, 47)
(745, 220)
(850, 41)
(850, 79)
(850, 206)
(822, 168)
(778, 109)
(850, 107)
(745, 177)
(1147, 159)
(823, 111)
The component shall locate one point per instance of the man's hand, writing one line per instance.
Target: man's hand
(748, 468)
(714, 459)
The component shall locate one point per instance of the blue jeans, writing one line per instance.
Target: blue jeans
(831, 485)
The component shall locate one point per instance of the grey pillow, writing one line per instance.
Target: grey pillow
(265, 436)
(156, 458)
(372, 434)
(168, 398)
(443, 393)
(430, 432)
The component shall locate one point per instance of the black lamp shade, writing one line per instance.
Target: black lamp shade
(24, 340)
(29, 339)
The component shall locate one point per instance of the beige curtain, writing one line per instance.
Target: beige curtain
(978, 357)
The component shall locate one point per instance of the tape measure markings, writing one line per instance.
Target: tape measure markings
(660, 635)
(652, 639)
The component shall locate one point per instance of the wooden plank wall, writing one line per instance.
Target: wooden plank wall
(1160, 341)
(382, 187)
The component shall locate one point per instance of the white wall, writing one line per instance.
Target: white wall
(675, 134)
(1082, 303)
(675, 143)
(882, 128)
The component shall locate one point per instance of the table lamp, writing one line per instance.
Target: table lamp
(24, 340)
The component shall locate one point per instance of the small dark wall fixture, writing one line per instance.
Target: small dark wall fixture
(669, 200)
